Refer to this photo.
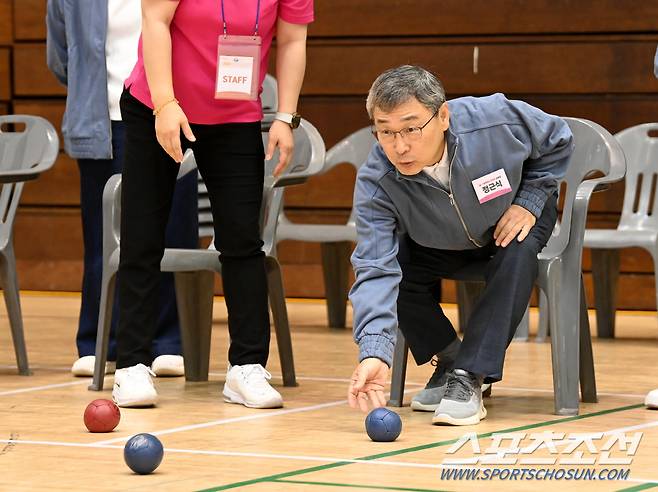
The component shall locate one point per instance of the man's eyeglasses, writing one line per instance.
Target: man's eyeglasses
(409, 134)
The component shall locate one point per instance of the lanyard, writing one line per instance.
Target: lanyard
(257, 18)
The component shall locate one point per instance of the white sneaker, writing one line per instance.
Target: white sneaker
(84, 366)
(133, 387)
(248, 385)
(651, 400)
(168, 365)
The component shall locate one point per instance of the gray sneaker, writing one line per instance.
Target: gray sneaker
(462, 402)
(430, 397)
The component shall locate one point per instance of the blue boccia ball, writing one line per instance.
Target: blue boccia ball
(383, 425)
(143, 453)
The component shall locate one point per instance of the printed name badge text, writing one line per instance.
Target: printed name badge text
(491, 185)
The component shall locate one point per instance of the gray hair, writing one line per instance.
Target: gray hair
(398, 85)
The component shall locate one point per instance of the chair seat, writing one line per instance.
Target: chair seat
(180, 260)
(316, 232)
(616, 238)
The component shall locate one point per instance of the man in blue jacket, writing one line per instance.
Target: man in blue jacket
(448, 185)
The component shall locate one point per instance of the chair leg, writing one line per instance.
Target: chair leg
(605, 272)
(280, 316)
(9, 283)
(543, 330)
(468, 292)
(194, 299)
(103, 331)
(587, 374)
(335, 270)
(399, 372)
(523, 329)
(564, 312)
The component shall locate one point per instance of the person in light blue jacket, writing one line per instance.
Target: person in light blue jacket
(447, 185)
(91, 49)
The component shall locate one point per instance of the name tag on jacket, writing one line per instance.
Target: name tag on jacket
(491, 185)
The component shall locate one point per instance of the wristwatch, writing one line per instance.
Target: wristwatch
(292, 119)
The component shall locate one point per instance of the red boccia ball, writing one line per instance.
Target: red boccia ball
(102, 416)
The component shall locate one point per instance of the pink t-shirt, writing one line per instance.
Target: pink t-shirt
(194, 32)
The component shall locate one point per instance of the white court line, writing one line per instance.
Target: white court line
(244, 418)
(106, 444)
(46, 387)
(323, 459)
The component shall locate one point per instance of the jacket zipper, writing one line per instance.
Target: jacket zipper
(453, 202)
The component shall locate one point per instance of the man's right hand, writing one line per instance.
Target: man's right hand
(367, 385)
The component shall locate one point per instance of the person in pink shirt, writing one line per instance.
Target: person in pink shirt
(196, 84)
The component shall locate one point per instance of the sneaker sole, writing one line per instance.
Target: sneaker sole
(444, 418)
(135, 403)
(148, 402)
(421, 407)
(169, 372)
(231, 396)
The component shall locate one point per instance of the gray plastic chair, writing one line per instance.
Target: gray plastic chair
(194, 269)
(560, 273)
(24, 155)
(638, 225)
(336, 239)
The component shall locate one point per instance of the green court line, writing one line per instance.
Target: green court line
(422, 447)
(357, 486)
(644, 486)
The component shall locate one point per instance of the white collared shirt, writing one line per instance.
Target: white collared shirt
(441, 170)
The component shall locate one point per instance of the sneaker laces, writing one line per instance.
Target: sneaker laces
(461, 385)
(139, 371)
(438, 374)
(257, 376)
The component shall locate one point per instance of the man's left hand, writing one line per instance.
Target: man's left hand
(280, 136)
(516, 221)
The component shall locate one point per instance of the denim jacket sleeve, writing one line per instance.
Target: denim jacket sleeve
(56, 46)
(551, 145)
(375, 290)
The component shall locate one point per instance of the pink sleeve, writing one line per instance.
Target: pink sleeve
(296, 11)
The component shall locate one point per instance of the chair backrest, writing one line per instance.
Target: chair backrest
(596, 150)
(308, 160)
(23, 156)
(269, 99)
(640, 209)
(354, 150)
(112, 206)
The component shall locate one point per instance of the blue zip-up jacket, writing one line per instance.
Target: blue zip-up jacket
(485, 135)
(76, 55)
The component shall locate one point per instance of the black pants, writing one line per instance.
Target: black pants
(230, 158)
(509, 273)
(182, 232)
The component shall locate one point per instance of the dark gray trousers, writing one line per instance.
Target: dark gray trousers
(509, 273)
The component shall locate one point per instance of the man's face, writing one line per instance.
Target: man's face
(410, 150)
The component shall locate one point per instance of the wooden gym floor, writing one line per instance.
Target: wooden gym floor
(315, 443)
